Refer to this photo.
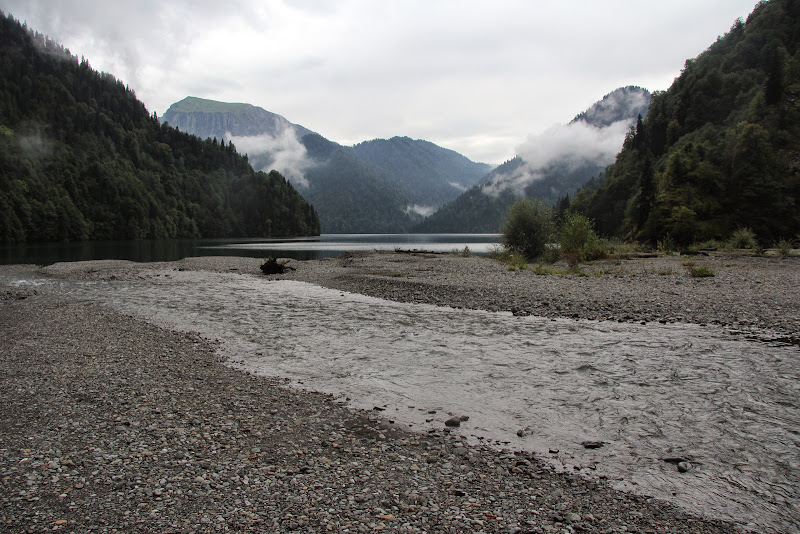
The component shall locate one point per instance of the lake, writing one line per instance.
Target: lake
(306, 248)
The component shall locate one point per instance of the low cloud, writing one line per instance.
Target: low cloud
(458, 186)
(568, 147)
(416, 209)
(281, 151)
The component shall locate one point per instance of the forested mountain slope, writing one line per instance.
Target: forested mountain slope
(383, 185)
(549, 166)
(720, 149)
(427, 174)
(81, 158)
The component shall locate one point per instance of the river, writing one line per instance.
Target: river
(727, 405)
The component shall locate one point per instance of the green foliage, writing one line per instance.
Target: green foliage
(82, 158)
(719, 149)
(784, 247)
(551, 254)
(514, 260)
(528, 228)
(577, 236)
(666, 245)
(701, 272)
(743, 238)
(422, 171)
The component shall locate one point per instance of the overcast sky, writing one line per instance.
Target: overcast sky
(478, 77)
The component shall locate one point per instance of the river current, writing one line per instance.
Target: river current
(727, 405)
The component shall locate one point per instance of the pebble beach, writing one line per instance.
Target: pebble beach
(112, 424)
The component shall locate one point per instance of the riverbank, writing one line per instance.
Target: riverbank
(112, 423)
(758, 296)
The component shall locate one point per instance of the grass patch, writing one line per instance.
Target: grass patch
(701, 272)
(784, 247)
(514, 260)
(464, 252)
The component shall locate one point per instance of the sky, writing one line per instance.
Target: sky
(478, 77)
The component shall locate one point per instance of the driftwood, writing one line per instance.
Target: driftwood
(273, 266)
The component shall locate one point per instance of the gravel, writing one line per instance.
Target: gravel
(110, 424)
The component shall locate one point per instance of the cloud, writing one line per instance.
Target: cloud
(568, 146)
(458, 186)
(282, 152)
(468, 75)
(425, 211)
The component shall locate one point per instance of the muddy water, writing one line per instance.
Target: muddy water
(726, 405)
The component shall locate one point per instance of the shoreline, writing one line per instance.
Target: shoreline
(313, 456)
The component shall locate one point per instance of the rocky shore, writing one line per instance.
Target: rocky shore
(110, 424)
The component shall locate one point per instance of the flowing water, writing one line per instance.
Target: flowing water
(726, 404)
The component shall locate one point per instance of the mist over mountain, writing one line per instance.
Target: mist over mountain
(383, 185)
(269, 140)
(548, 166)
(718, 150)
(427, 174)
(81, 158)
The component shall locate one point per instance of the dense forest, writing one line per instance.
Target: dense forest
(382, 185)
(427, 174)
(720, 149)
(82, 158)
(484, 207)
(352, 196)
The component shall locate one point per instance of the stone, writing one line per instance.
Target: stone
(453, 421)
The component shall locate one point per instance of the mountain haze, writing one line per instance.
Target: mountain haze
(82, 158)
(427, 174)
(549, 166)
(383, 185)
(720, 149)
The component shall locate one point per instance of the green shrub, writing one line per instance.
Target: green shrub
(666, 245)
(784, 247)
(551, 254)
(743, 238)
(514, 260)
(528, 228)
(578, 237)
(701, 272)
(464, 252)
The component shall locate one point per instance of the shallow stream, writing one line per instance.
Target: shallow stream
(726, 405)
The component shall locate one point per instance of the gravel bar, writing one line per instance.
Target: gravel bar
(111, 424)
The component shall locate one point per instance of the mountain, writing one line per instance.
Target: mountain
(549, 167)
(82, 158)
(351, 196)
(427, 174)
(720, 149)
(209, 118)
(382, 186)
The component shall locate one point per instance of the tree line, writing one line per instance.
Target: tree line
(719, 150)
(82, 158)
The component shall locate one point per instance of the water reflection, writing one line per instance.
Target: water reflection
(310, 248)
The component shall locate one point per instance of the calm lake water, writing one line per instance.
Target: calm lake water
(308, 248)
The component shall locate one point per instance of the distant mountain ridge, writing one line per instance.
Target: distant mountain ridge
(382, 185)
(549, 167)
(209, 118)
(426, 173)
